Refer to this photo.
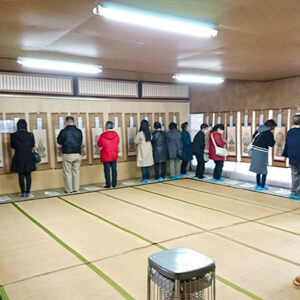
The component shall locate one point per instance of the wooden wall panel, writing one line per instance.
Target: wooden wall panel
(92, 142)
(162, 116)
(9, 152)
(280, 136)
(111, 117)
(55, 129)
(33, 126)
(231, 139)
(246, 138)
(129, 151)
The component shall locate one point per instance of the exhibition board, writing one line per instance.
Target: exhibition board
(58, 123)
(38, 125)
(131, 126)
(246, 133)
(96, 128)
(161, 118)
(117, 119)
(56, 110)
(281, 118)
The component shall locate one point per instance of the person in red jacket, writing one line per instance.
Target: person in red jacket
(109, 144)
(216, 133)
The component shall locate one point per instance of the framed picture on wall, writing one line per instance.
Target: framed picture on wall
(246, 134)
(281, 118)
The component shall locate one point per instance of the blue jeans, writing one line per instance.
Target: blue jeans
(145, 173)
(113, 166)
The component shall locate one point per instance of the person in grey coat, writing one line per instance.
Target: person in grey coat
(160, 151)
(174, 144)
(263, 138)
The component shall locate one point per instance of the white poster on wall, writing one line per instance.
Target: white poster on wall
(83, 145)
(58, 147)
(195, 122)
(131, 133)
(119, 132)
(96, 132)
(40, 137)
(61, 122)
(1, 152)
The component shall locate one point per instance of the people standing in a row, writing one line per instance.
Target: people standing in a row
(23, 143)
(70, 139)
(263, 138)
(198, 148)
(144, 150)
(160, 152)
(187, 154)
(216, 140)
(109, 147)
(292, 152)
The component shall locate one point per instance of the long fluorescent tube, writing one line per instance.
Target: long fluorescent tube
(198, 78)
(58, 65)
(153, 20)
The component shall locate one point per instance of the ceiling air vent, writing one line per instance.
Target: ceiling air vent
(172, 91)
(36, 84)
(107, 88)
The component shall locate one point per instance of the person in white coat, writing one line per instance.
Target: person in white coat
(144, 150)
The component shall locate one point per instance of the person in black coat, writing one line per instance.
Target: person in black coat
(292, 152)
(23, 143)
(187, 154)
(160, 151)
(70, 138)
(174, 145)
(198, 147)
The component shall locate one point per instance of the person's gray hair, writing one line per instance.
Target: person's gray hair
(109, 125)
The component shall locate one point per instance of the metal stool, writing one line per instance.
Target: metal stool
(180, 273)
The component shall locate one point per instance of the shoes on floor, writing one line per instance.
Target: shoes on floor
(162, 179)
(222, 179)
(184, 174)
(296, 281)
(294, 197)
(23, 195)
(106, 187)
(259, 188)
(28, 195)
(204, 177)
(176, 177)
(214, 179)
(266, 188)
(146, 181)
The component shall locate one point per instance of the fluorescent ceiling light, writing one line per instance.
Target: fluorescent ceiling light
(58, 65)
(153, 20)
(198, 78)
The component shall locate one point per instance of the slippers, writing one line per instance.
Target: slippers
(296, 281)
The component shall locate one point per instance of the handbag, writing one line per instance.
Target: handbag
(36, 157)
(219, 150)
(206, 157)
(250, 147)
(179, 153)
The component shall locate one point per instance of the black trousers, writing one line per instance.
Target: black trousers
(163, 167)
(145, 173)
(218, 169)
(261, 180)
(183, 166)
(200, 166)
(113, 179)
(22, 178)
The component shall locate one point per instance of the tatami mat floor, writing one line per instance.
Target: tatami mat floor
(95, 245)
